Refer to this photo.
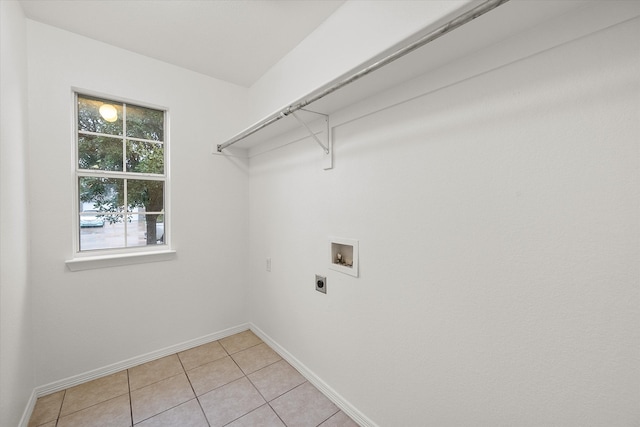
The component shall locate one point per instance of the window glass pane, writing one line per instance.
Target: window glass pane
(99, 152)
(146, 194)
(109, 235)
(145, 157)
(104, 195)
(146, 230)
(101, 213)
(100, 116)
(145, 123)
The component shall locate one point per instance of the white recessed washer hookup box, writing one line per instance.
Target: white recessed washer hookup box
(343, 255)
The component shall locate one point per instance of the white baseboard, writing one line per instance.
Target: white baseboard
(66, 383)
(28, 410)
(331, 394)
(134, 361)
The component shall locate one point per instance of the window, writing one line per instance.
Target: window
(121, 175)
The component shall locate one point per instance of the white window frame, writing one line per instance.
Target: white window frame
(99, 258)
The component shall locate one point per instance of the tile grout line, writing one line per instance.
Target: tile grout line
(64, 395)
(283, 393)
(251, 382)
(244, 375)
(215, 388)
(60, 410)
(266, 366)
(156, 382)
(159, 381)
(151, 361)
(168, 409)
(268, 403)
(193, 389)
(130, 399)
(276, 412)
(251, 346)
(91, 406)
(328, 418)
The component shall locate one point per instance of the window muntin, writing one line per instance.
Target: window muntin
(121, 175)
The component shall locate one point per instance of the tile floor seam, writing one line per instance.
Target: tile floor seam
(243, 415)
(92, 406)
(210, 342)
(225, 350)
(266, 366)
(234, 361)
(204, 364)
(256, 387)
(64, 396)
(87, 407)
(220, 386)
(193, 389)
(159, 381)
(299, 385)
(60, 409)
(273, 363)
(328, 418)
(236, 380)
(209, 363)
(274, 398)
(251, 346)
(130, 400)
(277, 414)
(204, 414)
(173, 407)
(187, 375)
(162, 412)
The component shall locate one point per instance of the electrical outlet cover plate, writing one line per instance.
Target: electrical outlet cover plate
(321, 284)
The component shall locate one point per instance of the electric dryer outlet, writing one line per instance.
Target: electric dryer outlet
(321, 284)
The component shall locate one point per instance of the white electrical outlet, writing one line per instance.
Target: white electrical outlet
(268, 264)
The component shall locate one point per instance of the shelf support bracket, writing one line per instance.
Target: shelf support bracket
(327, 145)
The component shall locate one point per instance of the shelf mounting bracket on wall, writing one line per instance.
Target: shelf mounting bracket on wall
(327, 145)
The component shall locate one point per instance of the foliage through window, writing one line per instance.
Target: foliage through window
(121, 174)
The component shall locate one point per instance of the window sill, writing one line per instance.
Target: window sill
(106, 261)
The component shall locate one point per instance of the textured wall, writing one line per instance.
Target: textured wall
(16, 343)
(498, 226)
(91, 319)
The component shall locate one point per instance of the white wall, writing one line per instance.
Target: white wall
(91, 319)
(499, 243)
(16, 345)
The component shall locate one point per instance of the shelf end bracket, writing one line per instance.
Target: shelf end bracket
(327, 144)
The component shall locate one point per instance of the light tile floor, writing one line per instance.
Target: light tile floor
(237, 381)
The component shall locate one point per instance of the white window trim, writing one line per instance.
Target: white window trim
(118, 260)
(105, 258)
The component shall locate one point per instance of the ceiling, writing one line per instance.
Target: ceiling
(232, 40)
